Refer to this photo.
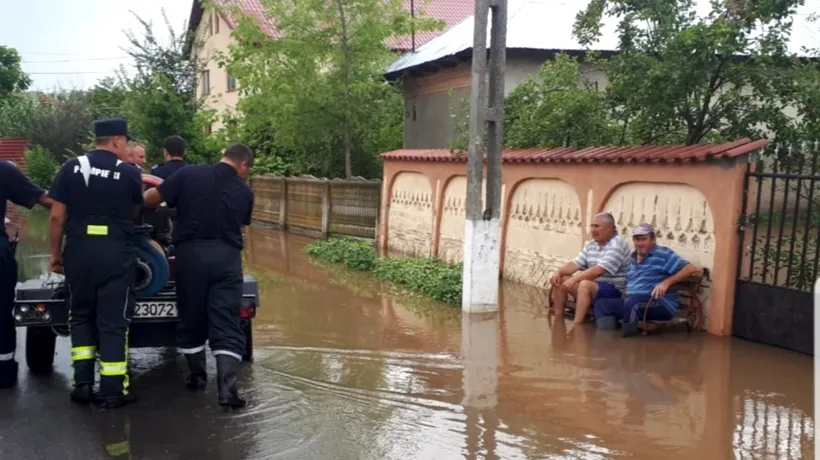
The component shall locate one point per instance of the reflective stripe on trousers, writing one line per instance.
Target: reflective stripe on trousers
(227, 353)
(83, 353)
(191, 351)
(113, 369)
(7, 356)
(118, 369)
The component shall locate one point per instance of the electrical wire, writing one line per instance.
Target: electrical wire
(77, 60)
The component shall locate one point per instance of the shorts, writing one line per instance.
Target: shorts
(607, 291)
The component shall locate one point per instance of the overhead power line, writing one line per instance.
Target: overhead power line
(51, 54)
(77, 60)
(70, 73)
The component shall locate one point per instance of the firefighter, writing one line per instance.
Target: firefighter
(17, 188)
(96, 197)
(212, 202)
(173, 150)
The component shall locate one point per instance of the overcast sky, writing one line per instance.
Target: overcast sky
(73, 43)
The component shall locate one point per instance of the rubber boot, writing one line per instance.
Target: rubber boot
(112, 393)
(8, 374)
(83, 392)
(197, 377)
(226, 381)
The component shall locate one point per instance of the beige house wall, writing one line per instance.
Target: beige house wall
(213, 40)
(432, 99)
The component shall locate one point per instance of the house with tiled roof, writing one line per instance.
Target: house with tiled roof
(213, 29)
(436, 75)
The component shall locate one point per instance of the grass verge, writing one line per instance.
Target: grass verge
(428, 276)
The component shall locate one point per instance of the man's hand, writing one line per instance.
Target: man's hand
(660, 290)
(56, 264)
(569, 285)
(555, 281)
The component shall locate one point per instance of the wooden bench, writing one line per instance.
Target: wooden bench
(689, 313)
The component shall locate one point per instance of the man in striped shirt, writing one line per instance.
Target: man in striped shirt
(651, 271)
(599, 270)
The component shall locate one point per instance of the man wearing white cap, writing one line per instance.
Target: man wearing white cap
(651, 271)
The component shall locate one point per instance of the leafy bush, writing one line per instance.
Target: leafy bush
(354, 254)
(428, 276)
(41, 165)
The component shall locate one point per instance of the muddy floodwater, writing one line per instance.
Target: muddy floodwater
(348, 368)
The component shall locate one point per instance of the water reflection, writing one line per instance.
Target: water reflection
(529, 388)
(344, 370)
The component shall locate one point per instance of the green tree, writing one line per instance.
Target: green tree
(317, 88)
(41, 166)
(107, 98)
(63, 123)
(17, 113)
(160, 97)
(558, 107)
(58, 123)
(684, 78)
(12, 77)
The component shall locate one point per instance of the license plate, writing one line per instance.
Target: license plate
(156, 310)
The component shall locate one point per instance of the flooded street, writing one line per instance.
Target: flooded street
(348, 368)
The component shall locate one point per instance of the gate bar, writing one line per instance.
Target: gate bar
(769, 225)
(782, 225)
(800, 164)
(808, 216)
(744, 220)
(758, 167)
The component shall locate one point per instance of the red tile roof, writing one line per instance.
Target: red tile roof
(252, 8)
(13, 148)
(451, 12)
(632, 154)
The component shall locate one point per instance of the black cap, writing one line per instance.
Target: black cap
(111, 127)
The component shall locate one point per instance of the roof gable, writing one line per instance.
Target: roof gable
(547, 25)
(452, 12)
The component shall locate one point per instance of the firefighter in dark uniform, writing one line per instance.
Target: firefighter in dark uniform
(173, 149)
(14, 187)
(96, 197)
(213, 202)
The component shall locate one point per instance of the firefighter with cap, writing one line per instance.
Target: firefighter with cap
(212, 202)
(96, 197)
(17, 188)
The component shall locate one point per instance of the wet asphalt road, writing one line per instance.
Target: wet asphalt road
(345, 371)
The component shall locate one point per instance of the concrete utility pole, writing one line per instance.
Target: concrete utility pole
(482, 228)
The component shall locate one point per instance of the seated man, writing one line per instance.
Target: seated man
(602, 263)
(651, 271)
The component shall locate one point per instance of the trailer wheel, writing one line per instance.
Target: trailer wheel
(40, 343)
(247, 330)
(152, 268)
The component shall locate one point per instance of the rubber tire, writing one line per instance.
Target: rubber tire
(247, 330)
(152, 256)
(40, 345)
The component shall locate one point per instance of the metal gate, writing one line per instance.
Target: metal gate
(779, 251)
